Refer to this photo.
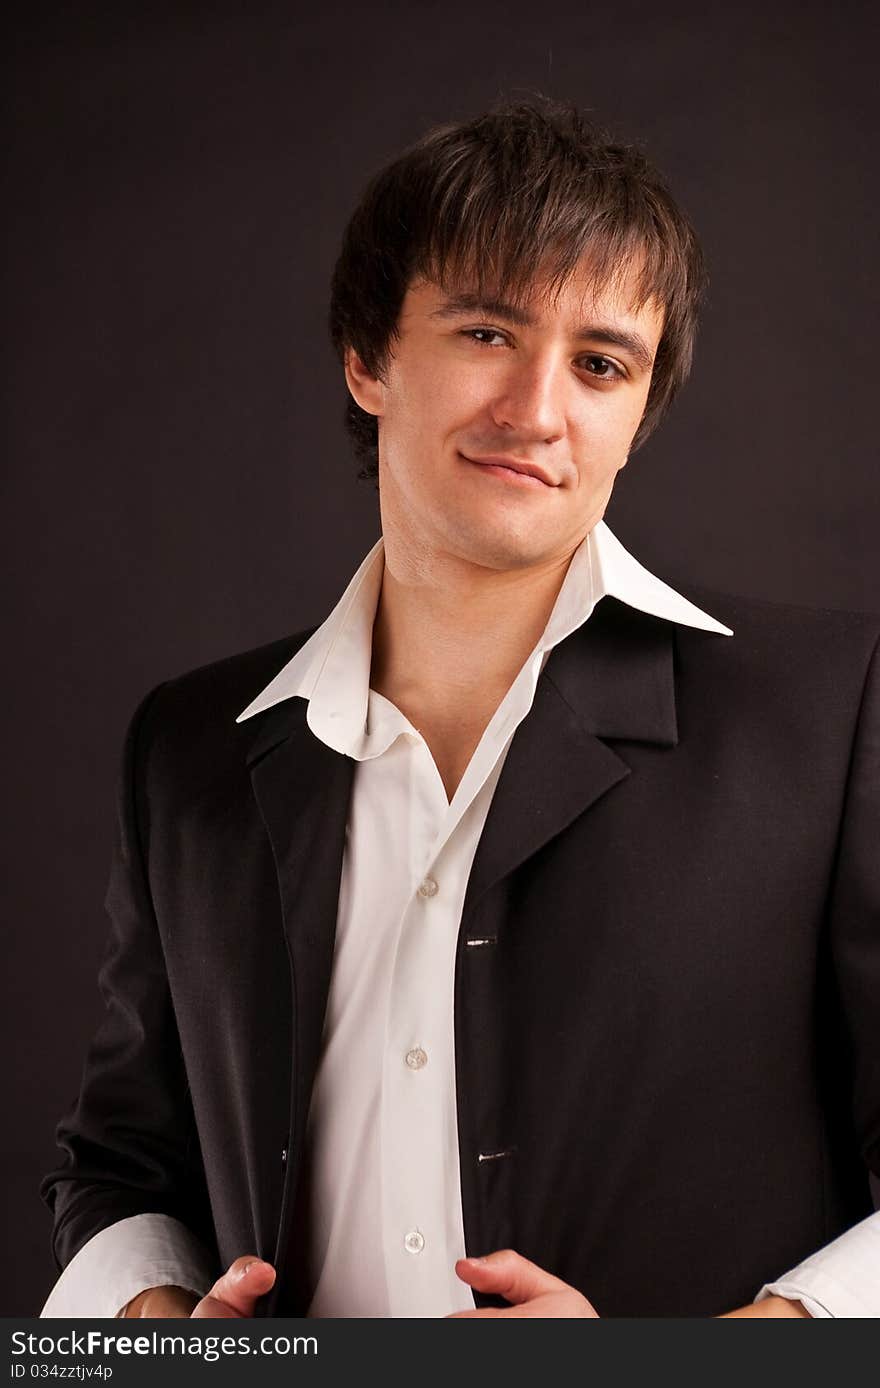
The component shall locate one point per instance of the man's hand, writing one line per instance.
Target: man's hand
(534, 1292)
(531, 1291)
(232, 1297)
(161, 1303)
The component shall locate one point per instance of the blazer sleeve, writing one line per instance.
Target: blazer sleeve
(855, 918)
(130, 1144)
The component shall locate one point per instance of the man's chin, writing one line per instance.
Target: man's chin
(506, 553)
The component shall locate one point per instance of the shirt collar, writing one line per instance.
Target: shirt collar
(332, 669)
(619, 575)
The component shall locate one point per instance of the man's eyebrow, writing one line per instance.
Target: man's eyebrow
(458, 304)
(600, 333)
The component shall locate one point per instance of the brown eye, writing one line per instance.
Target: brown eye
(601, 367)
(483, 336)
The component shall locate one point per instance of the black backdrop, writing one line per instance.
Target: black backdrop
(179, 485)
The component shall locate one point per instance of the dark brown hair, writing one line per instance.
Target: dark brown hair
(487, 202)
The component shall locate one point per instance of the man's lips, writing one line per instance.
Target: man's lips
(515, 470)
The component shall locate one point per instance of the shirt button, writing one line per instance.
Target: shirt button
(428, 887)
(414, 1241)
(416, 1059)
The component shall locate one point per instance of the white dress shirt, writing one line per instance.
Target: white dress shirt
(382, 1142)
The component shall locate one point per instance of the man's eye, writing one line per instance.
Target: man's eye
(601, 367)
(484, 336)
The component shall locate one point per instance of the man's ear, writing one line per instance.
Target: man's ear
(367, 390)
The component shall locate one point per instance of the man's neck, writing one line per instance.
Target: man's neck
(449, 640)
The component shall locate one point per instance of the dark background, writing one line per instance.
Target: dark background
(179, 485)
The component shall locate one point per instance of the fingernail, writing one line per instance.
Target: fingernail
(476, 1261)
(243, 1272)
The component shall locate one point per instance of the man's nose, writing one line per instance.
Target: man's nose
(530, 399)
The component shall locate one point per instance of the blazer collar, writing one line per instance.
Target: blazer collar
(616, 675)
(609, 684)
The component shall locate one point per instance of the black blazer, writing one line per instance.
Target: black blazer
(667, 986)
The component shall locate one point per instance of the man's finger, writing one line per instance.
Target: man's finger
(508, 1274)
(237, 1290)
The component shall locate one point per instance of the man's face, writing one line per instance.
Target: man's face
(502, 428)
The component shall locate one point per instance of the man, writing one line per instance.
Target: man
(522, 909)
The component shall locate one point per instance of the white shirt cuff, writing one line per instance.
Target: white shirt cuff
(119, 1262)
(841, 1279)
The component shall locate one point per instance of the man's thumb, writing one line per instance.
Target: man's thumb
(506, 1274)
(238, 1289)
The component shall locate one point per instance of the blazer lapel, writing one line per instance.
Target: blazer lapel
(302, 788)
(611, 680)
